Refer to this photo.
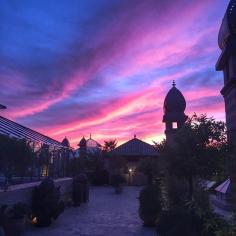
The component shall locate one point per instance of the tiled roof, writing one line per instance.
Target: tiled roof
(135, 147)
(13, 129)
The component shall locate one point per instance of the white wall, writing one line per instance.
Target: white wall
(23, 192)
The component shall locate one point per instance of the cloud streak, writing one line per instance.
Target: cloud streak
(104, 67)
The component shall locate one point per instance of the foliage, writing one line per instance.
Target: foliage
(191, 220)
(197, 153)
(16, 155)
(13, 219)
(18, 211)
(149, 167)
(161, 147)
(2, 214)
(75, 166)
(178, 223)
(150, 204)
(96, 165)
(109, 145)
(197, 149)
(46, 204)
(117, 180)
(80, 192)
(228, 231)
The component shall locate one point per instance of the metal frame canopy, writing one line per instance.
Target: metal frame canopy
(15, 130)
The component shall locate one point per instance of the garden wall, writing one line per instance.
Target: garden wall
(23, 192)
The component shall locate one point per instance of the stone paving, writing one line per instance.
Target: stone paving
(107, 214)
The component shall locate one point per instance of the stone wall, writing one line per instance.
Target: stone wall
(23, 192)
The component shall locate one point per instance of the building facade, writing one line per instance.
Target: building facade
(227, 64)
(125, 160)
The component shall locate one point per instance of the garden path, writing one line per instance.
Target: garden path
(107, 214)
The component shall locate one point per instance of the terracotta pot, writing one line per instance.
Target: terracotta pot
(14, 227)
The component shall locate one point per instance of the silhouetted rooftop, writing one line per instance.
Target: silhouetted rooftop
(65, 142)
(135, 147)
(82, 142)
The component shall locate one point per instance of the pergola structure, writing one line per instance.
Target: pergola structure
(54, 154)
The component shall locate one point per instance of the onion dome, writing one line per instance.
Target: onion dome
(174, 101)
(174, 106)
(65, 142)
(228, 26)
(83, 142)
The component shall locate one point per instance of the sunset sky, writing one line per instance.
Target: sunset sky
(71, 68)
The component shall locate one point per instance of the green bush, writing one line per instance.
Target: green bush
(150, 205)
(191, 221)
(46, 204)
(178, 223)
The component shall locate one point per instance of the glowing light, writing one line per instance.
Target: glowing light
(34, 221)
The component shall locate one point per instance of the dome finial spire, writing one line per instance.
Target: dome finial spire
(174, 84)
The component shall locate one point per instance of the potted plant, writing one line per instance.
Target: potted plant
(77, 191)
(117, 182)
(46, 204)
(150, 205)
(80, 193)
(15, 219)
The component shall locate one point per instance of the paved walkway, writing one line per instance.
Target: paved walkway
(107, 214)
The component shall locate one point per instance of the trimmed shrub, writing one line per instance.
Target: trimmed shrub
(150, 205)
(46, 204)
(117, 181)
(13, 219)
(80, 192)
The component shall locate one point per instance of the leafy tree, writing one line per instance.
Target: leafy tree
(230, 160)
(197, 146)
(24, 156)
(149, 167)
(109, 145)
(15, 156)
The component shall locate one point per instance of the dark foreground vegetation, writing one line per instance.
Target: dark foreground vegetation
(177, 203)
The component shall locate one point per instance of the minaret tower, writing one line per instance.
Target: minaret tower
(227, 64)
(174, 117)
